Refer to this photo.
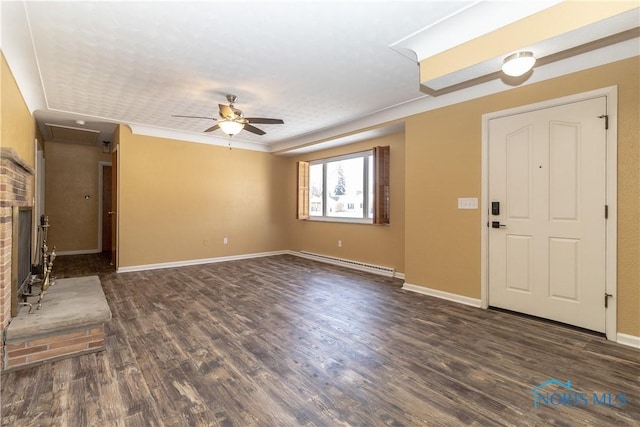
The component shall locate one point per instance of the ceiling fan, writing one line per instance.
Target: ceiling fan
(232, 120)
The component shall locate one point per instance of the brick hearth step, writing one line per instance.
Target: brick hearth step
(70, 322)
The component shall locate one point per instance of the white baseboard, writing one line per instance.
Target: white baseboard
(345, 262)
(474, 302)
(162, 265)
(630, 340)
(80, 252)
(197, 261)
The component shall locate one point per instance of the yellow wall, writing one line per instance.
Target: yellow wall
(18, 126)
(380, 245)
(71, 173)
(178, 200)
(443, 162)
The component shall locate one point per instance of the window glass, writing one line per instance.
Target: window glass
(345, 185)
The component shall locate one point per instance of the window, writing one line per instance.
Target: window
(349, 188)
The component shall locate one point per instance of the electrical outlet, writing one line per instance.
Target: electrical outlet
(225, 240)
(205, 242)
(339, 243)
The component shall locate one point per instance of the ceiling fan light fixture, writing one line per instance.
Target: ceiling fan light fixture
(518, 63)
(230, 127)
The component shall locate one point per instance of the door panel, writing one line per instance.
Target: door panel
(518, 174)
(564, 268)
(519, 263)
(106, 208)
(564, 171)
(548, 167)
(114, 208)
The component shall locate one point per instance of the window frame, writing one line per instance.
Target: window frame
(380, 187)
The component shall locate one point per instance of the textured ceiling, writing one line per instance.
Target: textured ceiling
(329, 69)
(312, 64)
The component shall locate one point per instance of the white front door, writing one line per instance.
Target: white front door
(547, 171)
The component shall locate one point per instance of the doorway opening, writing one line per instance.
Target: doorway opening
(104, 219)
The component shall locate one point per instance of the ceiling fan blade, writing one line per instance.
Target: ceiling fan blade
(226, 111)
(253, 129)
(193, 117)
(262, 120)
(212, 128)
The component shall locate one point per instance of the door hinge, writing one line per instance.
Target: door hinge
(606, 299)
(606, 211)
(606, 120)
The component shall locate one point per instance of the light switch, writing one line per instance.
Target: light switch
(467, 203)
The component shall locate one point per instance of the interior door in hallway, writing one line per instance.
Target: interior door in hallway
(114, 207)
(106, 208)
(547, 192)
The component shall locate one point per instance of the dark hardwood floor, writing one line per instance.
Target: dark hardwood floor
(285, 341)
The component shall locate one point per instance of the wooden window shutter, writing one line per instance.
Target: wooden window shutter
(303, 190)
(381, 206)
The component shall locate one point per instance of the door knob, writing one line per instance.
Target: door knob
(496, 224)
(111, 212)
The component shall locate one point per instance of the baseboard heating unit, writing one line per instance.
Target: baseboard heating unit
(356, 265)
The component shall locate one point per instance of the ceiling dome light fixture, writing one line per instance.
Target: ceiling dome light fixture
(230, 127)
(518, 63)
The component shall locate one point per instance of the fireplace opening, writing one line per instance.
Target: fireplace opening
(21, 246)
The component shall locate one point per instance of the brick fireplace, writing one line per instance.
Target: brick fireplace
(16, 190)
(72, 319)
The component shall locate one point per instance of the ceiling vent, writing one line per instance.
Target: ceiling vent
(73, 135)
